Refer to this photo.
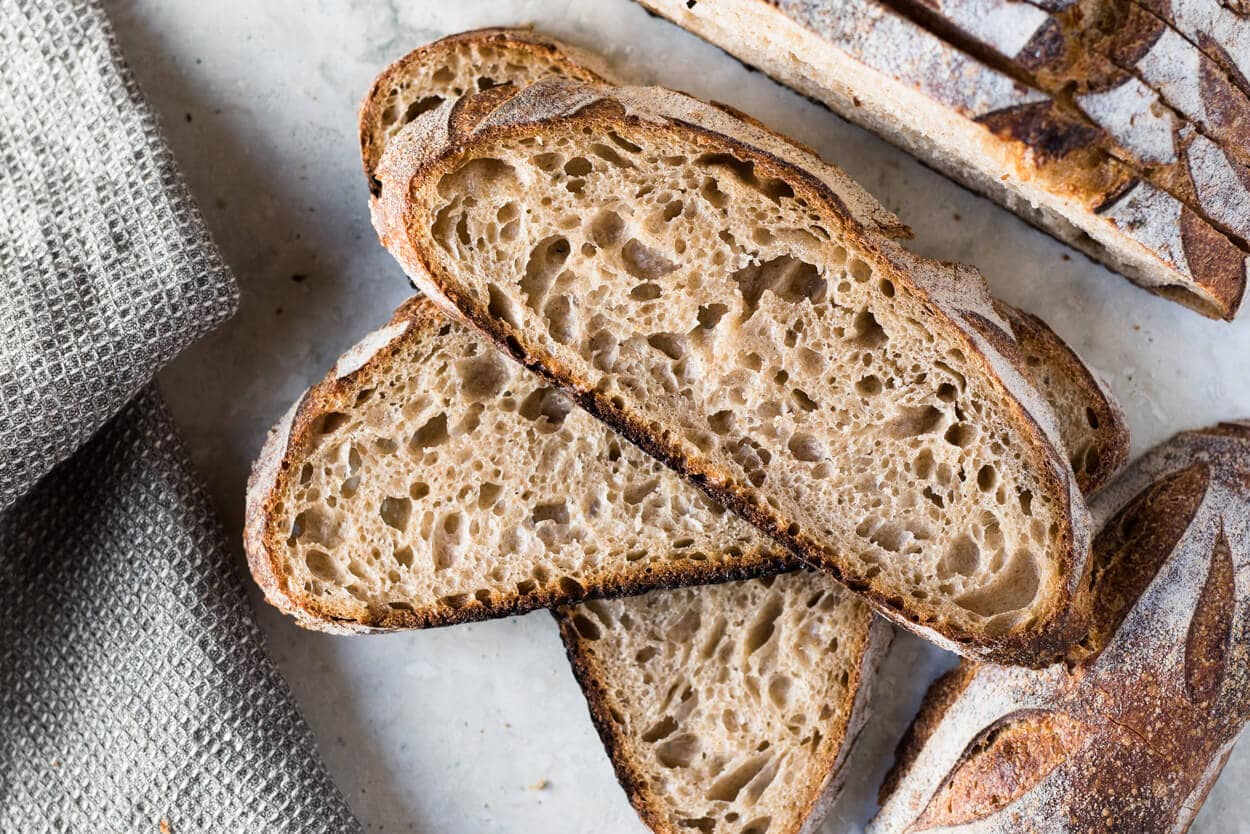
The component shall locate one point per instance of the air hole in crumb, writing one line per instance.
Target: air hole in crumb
(806, 447)
(321, 565)
(557, 512)
(672, 345)
(549, 405)
(396, 512)
(432, 433)
(643, 262)
(677, 751)
(869, 385)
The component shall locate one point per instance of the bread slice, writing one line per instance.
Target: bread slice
(736, 321)
(1091, 425)
(729, 708)
(453, 66)
(1131, 732)
(428, 480)
(984, 129)
(1116, 64)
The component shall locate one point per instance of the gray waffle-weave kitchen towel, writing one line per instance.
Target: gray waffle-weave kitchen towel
(135, 694)
(106, 270)
(134, 686)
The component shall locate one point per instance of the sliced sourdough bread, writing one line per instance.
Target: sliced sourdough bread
(715, 301)
(1131, 732)
(730, 708)
(429, 480)
(984, 129)
(362, 507)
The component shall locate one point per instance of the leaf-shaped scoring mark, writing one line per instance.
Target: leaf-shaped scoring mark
(1134, 544)
(1004, 762)
(1210, 629)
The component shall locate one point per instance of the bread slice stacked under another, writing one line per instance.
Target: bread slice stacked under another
(716, 302)
(427, 481)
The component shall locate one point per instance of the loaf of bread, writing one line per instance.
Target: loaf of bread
(729, 709)
(987, 130)
(714, 300)
(1118, 65)
(1131, 732)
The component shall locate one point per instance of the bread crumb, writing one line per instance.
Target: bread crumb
(540, 785)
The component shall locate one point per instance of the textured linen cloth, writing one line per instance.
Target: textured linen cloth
(135, 693)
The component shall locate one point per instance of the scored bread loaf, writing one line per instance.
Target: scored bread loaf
(1221, 30)
(984, 129)
(1130, 733)
(1116, 63)
(729, 709)
(716, 302)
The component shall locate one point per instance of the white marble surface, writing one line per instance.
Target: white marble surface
(447, 730)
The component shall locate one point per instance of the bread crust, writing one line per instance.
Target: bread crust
(286, 445)
(1113, 64)
(1035, 159)
(872, 642)
(955, 296)
(1132, 730)
(1104, 420)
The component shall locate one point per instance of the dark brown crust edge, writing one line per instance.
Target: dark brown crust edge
(1055, 629)
(937, 699)
(263, 540)
(875, 640)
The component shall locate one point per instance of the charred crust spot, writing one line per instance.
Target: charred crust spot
(1040, 127)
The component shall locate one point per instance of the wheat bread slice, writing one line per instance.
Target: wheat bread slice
(783, 275)
(429, 480)
(984, 129)
(1130, 733)
(1092, 426)
(729, 708)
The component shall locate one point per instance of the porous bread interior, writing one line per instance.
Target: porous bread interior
(451, 69)
(670, 274)
(951, 142)
(727, 704)
(448, 477)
